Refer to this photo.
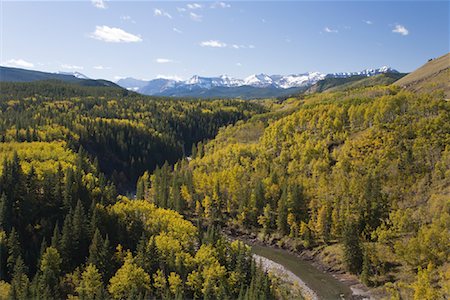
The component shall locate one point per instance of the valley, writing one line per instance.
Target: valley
(351, 176)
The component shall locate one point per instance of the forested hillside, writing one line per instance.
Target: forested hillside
(124, 132)
(360, 179)
(64, 230)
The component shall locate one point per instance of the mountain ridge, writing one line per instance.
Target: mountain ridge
(9, 74)
(217, 86)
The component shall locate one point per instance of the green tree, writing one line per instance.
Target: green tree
(353, 254)
(423, 287)
(20, 284)
(282, 211)
(265, 220)
(130, 278)
(50, 271)
(14, 250)
(91, 285)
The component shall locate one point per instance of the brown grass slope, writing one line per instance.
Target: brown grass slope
(433, 75)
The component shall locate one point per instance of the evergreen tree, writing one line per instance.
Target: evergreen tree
(79, 235)
(91, 285)
(95, 251)
(353, 255)
(55, 241)
(66, 243)
(20, 284)
(5, 210)
(50, 270)
(14, 251)
(282, 211)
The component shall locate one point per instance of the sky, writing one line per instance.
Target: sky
(177, 39)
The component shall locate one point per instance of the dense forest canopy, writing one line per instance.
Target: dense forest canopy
(125, 132)
(64, 230)
(360, 177)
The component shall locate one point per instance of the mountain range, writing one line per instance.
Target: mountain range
(256, 85)
(223, 86)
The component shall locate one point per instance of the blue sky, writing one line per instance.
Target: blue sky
(148, 39)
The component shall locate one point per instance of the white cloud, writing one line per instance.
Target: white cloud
(368, 22)
(161, 13)
(170, 77)
(71, 67)
(236, 46)
(220, 5)
(213, 44)
(195, 16)
(194, 6)
(114, 35)
(128, 18)
(400, 29)
(238, 64)
(100, 67)
(99, 4)
(329, 30)
(177, 30)
(163, 60)
(219, 44)
(20, 63)
(181, 9)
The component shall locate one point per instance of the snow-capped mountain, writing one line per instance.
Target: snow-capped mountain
(76, 74)
(132, 84)
(366, 72)
(197, 85)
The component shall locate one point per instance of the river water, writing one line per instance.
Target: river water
(324, 285)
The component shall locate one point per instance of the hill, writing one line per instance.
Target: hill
(433, 75)
(8, 74)
(357, 178)
(357, 81)
(241, 92)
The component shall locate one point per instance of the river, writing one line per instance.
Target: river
(324, 285)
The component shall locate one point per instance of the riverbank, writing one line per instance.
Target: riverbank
(353, 288)
(281, 272)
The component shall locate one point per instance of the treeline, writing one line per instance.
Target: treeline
(127, 133)
(64, 234)
(361, 174)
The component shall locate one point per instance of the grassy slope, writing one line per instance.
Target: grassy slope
(431, 76)
(340, 84)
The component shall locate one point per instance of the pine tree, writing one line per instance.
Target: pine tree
(50, 270)
(95, 251)
(91, 285)
(353, 255)
(282, 211)
(106, 258)
(365, 272)
(79, 235)
(5, 210)
(265, 220)
(324, 223)
(146, 254)
(259, 197)
(66, 243)
(55, 241)
(14, 251)
(20, 284)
